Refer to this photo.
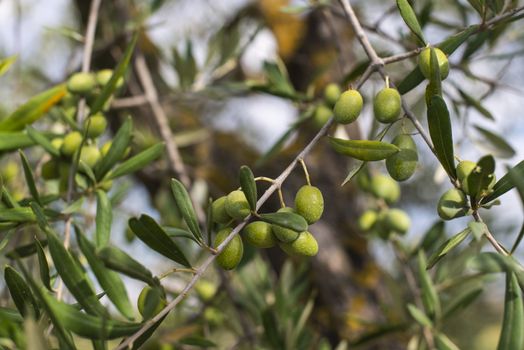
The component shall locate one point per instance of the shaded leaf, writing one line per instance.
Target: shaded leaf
(104, 219)
(494, 143)
(511, 335)
(25, 250)
(29, 177)
(120, 261)
(291, 221)
(198, 342)
(429, 294)
(461, 302)
(249, 186)
(365, 150)
(440, 131)
(447, 246)
(42, 140)
(116, 151)
(410, 18)
(444, 343)
(505, 184)
(184, 204)
(43, 265)
(481, 177)
(138, 161)
(20, 293)
(419, 316)
(490, 262)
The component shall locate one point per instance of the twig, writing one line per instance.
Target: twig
(126, 102)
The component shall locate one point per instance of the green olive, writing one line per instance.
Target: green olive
(103, 76)
(397, 220)
(348, 107)
(285, 234)
(57, 142)
(50, 170)
(387, 105)
(237, 205)
(90, 155)
(385, 187)
(305, 244)
(106, 185)
(219, 213)
(150, 302)
(230, 257)
(452, 204)
(71, 143)
(9, 171)
(367, 220)
(259, 234)
(403, 164)
(309, 203)
(331, 94)
(321, 116)
(81, 83)
(424, 62)
(464, 168)
(96, 125)
(205, 289)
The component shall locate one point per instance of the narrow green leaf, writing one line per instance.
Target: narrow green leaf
(5, 63)
(198, 342)
(120, 261)
(505, 184)
(366, 150)
(19, 214)
(411, 81)
(460, 302)
(429, 295)
(431, 237)
(43, 265)
(138, 161)
(10, 141)
(25, 250)
(118, 73)
(33, 109)
(20, 293)
(444, 343)
(447, 246)
(410, 18)
(495, 144)
(249, 186)
(109, 280)
(29, 177)
(490, 262)
(42, 140)
(471, 101)
(149, 232)
(354, 171)
(440, 131)
(478, 229)
(175, 232)
(184, 204)
(419, 316)
(116, 151)
(511, 335)
(291, 221)
(137, 344)
(104, 219)
(10, 315)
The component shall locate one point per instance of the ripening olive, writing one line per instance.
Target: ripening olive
(218, 211)
(57, 142)
(81, 83)
(284, 234)
(452, 204)
(9, 171)
(237, 205)
(96, 125)
(305, 244)
(50, 170)
(402, 164)
(367, 220)
(90, 155)
(150, 302)
(103, 76)
(321, 116)
(259, 234)
(385, 187)
(309, 203)
(205, 289)
(348, 107)
(229, 258)
(71, 143)
(424, 62)
(387, 105)
(331, 94)
(397, 220)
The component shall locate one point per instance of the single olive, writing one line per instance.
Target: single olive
(403, 164)
(321, 116)
(387, 105)
(90, 155)
(205, 289)
(229, 258)
(96, 125)
(50, 170)
(305, 244)
(397, 220)
(57, 142)
(348, 107)
(383, 186)
(150, 302)
(259, 234)
(331, 94)
(81, 83)
(71, 143)
(284, 234)
(424, 62)
(237, 205)
(103, 76)
(452, 204)
(218, 210)
(10, 171)
(367, 220)
(309, 203)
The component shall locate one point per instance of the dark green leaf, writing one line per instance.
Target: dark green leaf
(29, 177)
(249, 186)
(431, 237)
(10, 315)
(475, 44)
(43, 265)
(511, 336)
(175, 232)
(104, 219)
(489, 262)
(291, 221)
(184, 204)
(481, 177)
(410, 18)
(19, 214)
(20, 292)
(110, 281)
(138, 161)
(440, 131)
(495, 144)
(447, 246)
(505, 184)
(118, 260)
(198, 342)
(461, 302)
(116, 151)
(25, 250)
(366, 150)
(471, 101)
(271, 332)
(429, 294)
(42, 140)
(137, 344)
(149, 232)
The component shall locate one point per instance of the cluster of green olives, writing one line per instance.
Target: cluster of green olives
(309, 204)
(382, 220)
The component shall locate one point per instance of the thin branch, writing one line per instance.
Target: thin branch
(127, 102)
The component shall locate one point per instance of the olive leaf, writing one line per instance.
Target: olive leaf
(496, 144)
(291, 221)
(104, 219)
(25, 250)
(42, 140)
(43, 265)
(20, 292)
(29, 177)
(410, 18)
(447, 246)
(138, 161)
(15, 140)
(481, 177)
(471, 101)
(365, 150)
(431, 237)
(120, 261)
(511, 335)
(18, 214)
(461, 301)
(440, 131)
(116, 151)
(429, 295)
(249, 186)
(505, 184)
(184, 204)
(419, 316)
(490, 262)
